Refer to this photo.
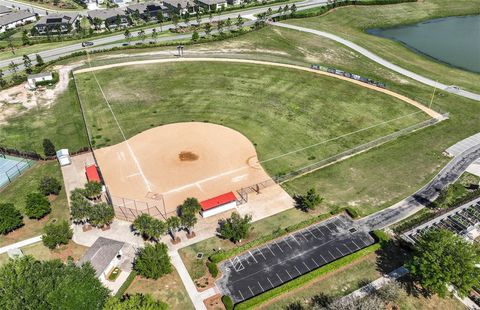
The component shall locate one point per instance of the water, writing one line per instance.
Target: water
(453, 40)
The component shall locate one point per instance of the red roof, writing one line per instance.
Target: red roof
(92, 174)
(217, 201)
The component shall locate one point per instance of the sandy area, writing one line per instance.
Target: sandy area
(18, 99)
(177, 161)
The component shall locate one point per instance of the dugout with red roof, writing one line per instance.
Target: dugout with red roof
(217, 201)
(92, 174)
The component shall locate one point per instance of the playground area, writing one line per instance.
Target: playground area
(161, 167)
(11, 167)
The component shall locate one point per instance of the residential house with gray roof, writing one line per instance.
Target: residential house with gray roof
(108, 18)
(56, 23)
(14, 19)
(104, 255)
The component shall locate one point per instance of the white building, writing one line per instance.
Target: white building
(14, 19)
(219, 204)
(32, 79)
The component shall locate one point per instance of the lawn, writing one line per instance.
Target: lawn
(351, 22)
(197, 268)
(25, 184)
(278, 109)
(168, 289)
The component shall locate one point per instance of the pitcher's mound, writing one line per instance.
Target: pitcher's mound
(177, 161)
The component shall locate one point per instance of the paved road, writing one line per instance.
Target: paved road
(29, 7)
(383, 62)
(449, 174)
(62, 51)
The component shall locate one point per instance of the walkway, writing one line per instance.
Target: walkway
(383, 62)
(20, 244)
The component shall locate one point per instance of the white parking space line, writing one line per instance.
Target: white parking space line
(253, 257)
(288, 274)
(358, 248)
(251, 291)
(243, 298)
(297, 269)
(260, 286)
(316, 227)
(315, 262)
(293, 236)
(270, 250)
(279, 278)
(288, 244)
(363, 242)
(349, 250)
(341, 253)
(331, 254)
(278, 246)
(260, 250)
(323, 258)
(326, 226)
(308, 268)
(301, 234)
(312, 233)
(270, 282)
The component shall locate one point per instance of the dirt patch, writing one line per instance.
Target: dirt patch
(214, 303)
(187, 156)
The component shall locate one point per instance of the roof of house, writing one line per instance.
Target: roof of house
(105, 14)
(14, 17)
(4, 9)
(144, 6)
(92, 174)
(217, 201)
(39, 75)
(101, 254)
(175, 3)
(211, 2)
(67, 18)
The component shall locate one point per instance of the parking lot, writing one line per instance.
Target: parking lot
(282, 260)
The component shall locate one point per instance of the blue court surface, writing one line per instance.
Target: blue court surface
(11, 167)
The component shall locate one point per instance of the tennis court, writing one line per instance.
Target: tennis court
(11, 167)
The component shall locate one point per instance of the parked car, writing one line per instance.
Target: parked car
(87, 43)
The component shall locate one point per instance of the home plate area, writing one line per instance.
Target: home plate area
(282, 260)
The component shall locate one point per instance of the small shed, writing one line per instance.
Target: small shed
(218, 204)
(33, 79)
(63, 157)
(92, 174)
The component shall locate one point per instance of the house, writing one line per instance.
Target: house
(147, 10)
(121, 3)
(40, 77)
(56, 23)
(18, 18)
(180, 6)
(104, 255)
(234, 2)
(109, 18)
(5, 10)
(218, 204)
(212, 5)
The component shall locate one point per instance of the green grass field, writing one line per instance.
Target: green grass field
(16, 192)
(351, 22)
(279, 110)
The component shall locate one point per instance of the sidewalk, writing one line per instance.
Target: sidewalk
(20, 244)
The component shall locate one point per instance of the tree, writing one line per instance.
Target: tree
(228, 23)
(153, 261)
(293, 9)
(97, 22)
(173, 224)
(285, 9)
(198, 18)
(80, 208)
(13, 67)
(308, 201)
(441, 258)
(149, 227)
(236, 227)
(190, 205)
(39, 60)
(101, 214)
(195, 36)
(36, 206)
(135, 301)
(26, 283)
(48, 148)
(10, 218)
(154, 34)
(186, 17)
(160, 19)
(25, 39)
(188, 220)
(93, 190)
(239, 22)
(174, 18)
(49, 186)
(2, 80)
(10, 45)
(208, 28)
(56, 234)
(127, 35)
(220, 26)
(141, 35)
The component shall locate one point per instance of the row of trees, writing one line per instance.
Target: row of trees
(85, 208)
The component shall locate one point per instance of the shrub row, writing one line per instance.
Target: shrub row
(302, 280)
(225, 254)
(213, 269)
(227, 302)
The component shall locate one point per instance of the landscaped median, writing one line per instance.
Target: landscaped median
(304, 279)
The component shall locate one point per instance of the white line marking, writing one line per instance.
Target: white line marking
(297, 269)
(363, 242)
(326, 226)
(341, 253)
(288, 274)
(312, 234)
(323, 258)
(331, 254)
(270, 282)
(251, 290)
(301, 234)
(316, 227)
(358, 248)
(253, 257)
(270, 250)
(260, 250)
(349, 250)
(260, 286)
(288, 243)
(306, 266)
(278, 246)
(279, 278)
(315, 262)
(293, 236)
(243, 298)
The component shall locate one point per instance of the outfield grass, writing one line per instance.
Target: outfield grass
(168, 289)
(351, 23)
(278, 109)
(17, 191)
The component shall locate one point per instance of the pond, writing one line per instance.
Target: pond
(452, 40)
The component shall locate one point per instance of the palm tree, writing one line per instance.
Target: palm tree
(154, 34)
(160, 19)
(150, 228)
(141, 35)
(127, 35)
(173, 223)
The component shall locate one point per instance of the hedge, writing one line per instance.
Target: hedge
(212, 267)
(227, 302)
(302, 280)
(223, 255)
(126, 284)
(352, 212)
